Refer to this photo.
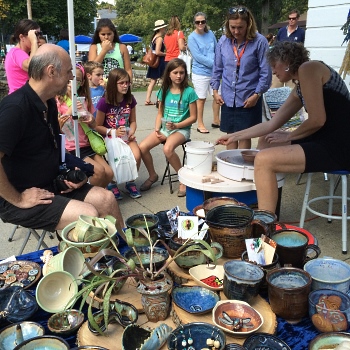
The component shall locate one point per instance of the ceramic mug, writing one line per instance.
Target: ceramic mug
(147, 222)
(288, 291)
(293, 248)
(89, 229)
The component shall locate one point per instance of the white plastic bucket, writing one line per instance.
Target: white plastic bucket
(199, 157)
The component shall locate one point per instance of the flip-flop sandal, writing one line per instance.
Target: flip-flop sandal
(149, 103)
(203, 130)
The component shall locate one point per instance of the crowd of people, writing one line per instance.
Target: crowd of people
(236, 70)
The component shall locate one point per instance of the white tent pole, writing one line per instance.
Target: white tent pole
(74, 81)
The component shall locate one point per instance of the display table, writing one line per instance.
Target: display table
(297, 336)
(198, 191)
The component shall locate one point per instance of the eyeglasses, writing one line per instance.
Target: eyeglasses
(39, 34)
(200, 22)
(292, 18)
(127, 83)
(239, 10)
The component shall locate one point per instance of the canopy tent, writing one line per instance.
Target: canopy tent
(83, 39)
(130, 39)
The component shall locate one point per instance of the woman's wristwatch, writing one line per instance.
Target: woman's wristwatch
(258, 93)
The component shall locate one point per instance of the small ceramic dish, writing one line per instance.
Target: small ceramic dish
(11, 335)
(208, 276)
(265, 341)
(65, 322)
(249, 155)
(199, 211)
(236, 317)
(47, 342)
(200, 333)
(160, 256)
(195, 300)
(328, 340)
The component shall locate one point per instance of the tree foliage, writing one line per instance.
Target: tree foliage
(138, 16)
(51, 15)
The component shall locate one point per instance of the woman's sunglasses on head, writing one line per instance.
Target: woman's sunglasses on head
(239, 10)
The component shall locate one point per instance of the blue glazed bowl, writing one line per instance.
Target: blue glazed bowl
(328, 273)
(195, 300)
(199, 332)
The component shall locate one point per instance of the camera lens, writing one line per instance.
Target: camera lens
(75, 176)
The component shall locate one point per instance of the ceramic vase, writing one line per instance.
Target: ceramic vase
(155, 297)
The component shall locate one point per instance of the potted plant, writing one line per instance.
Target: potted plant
(153, 283)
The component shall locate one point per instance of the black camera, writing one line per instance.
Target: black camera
(74, 176)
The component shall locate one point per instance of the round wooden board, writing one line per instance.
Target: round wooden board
(269, 326)
(112, 339)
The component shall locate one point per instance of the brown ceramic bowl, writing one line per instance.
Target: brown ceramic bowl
(236, 310)
(249, 155)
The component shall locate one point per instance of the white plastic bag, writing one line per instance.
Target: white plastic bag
(121, 159)
(186, 56)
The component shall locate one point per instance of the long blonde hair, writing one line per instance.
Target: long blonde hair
(174, 24)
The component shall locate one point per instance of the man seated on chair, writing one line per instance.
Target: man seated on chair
(30, 153)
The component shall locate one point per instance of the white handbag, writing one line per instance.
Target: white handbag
(120, 159)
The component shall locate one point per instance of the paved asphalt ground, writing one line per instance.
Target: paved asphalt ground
(159, 198)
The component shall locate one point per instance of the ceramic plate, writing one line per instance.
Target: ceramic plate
(201, 272)
(236, 311)
(259, 341)
(19, 273)
(195, 300)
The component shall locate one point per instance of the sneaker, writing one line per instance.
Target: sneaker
(133, 191)
(114, 188)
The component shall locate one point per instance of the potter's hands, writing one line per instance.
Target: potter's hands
(278, 137)
(226, 139)
(218, 99)
(33, 196)
(106, 46)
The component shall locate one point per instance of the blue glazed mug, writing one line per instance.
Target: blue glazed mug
(293, 248)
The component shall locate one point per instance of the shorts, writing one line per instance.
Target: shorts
(185, 132)
(85, 152)
(44, 216)
(238, 118)
(202, 87)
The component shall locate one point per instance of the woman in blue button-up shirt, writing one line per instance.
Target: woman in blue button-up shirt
(240, 61)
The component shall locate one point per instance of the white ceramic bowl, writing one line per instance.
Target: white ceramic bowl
(237, 309)
(200, 272)
(55, 291)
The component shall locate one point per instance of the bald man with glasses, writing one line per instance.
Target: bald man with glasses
(292, 32)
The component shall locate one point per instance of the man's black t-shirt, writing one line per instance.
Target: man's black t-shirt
(30, 143)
